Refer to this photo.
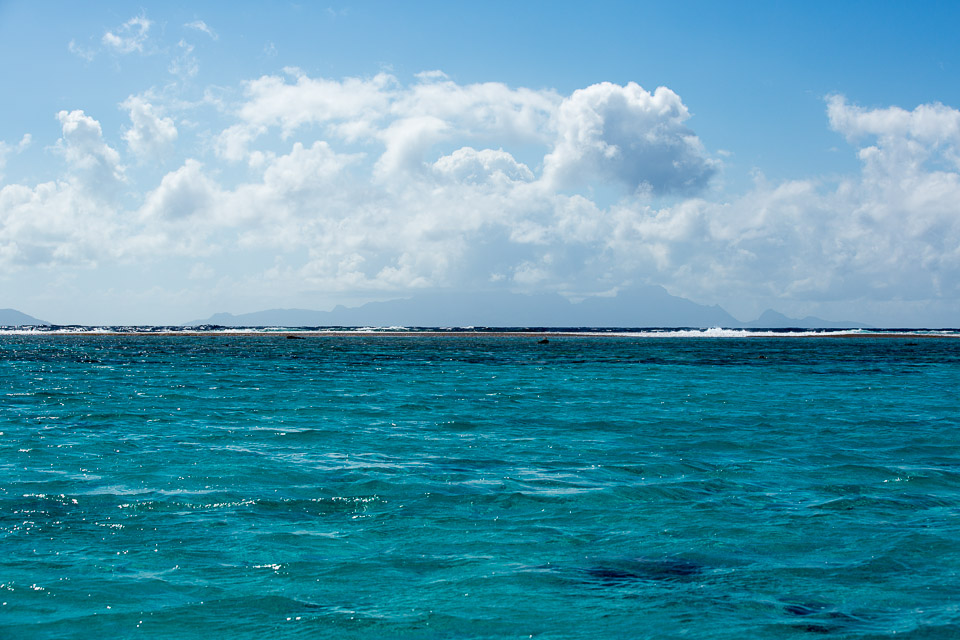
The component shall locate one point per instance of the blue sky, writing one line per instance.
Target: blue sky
(163, 162)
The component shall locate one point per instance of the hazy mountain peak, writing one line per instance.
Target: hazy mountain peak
(14, 318)
(771, 319)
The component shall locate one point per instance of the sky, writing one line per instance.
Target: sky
(161, 162)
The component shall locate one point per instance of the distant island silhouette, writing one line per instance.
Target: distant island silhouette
(640, 306)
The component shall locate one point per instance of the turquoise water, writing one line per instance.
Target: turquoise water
(479, 487)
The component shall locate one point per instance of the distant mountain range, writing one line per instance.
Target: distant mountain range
(770, 319)
(647, 306)
(14, 318)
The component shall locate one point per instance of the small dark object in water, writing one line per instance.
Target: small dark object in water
(816, 628)
(801, 609)
(666, 569)
(614, 577)
(761, 357)
(289, 337)
(543, 341)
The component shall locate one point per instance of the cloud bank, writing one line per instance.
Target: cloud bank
(380, 186)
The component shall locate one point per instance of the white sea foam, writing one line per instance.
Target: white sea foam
(720, 332)
(714, 332)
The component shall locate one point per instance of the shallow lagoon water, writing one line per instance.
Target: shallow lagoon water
(479, 487)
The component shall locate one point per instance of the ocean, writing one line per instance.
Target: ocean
(709, 485)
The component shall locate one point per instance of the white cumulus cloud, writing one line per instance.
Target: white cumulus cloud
(184, 193)
(86, 152)
(407, 141)
(150, 134)
(273, 101)
(935, 125)
(54, 223)
(469, 166)
(624, 133)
